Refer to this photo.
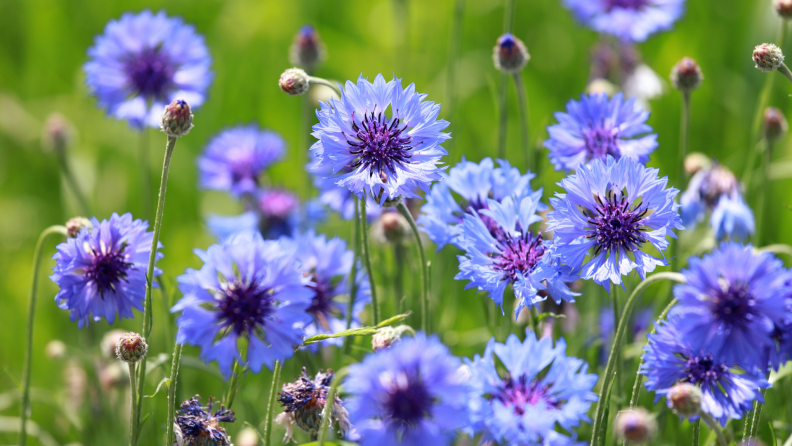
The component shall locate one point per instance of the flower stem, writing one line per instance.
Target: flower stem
(325, 82)
(329, 404)
(683, 150)
(353, 273)
(503, 117)
(761, 209)
(134, 403)
(58, 229)
(174, 375)
(757, 414)
(145, 175)
(696, 432)
(424, 265)
(456, 37)
(147, 310)
(638, 377)
(67, 174)
(783, 69)
(236, 376)
(715, 427)
(271, 403)
(364, 244)
(398, 286)
(607, 377)
(522, 98)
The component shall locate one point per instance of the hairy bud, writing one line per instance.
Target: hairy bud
(510, 54)
(177, 119)
(294, 81)
(685, 400)
(131, 348)
(775, 124)
(686, 75)
(768, 57)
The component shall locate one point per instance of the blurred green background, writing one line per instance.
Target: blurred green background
(43, 46)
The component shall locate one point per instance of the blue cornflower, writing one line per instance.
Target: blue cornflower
(196, 425)
(598, 127)
(144, 61)
(727, 389)
(234, 160)
(247, 288)
(475, 184)
(614, 208)
(338, 199)
(541, 389)
(410, 394)
(716, 189)
(102, 272)
(732, 303)
(389, 154)
(328, 264)
(501, 250)
(271, 212)
(628, 20)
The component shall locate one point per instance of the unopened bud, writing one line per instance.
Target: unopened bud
(294, 81)
(775, 124)
(686, 75)
(784, 8)
(510, 54)
(390, 227)
(307, 50)
(684, 399)
(386, 337)
(131, 348)
(636, 426)
(57, 132)
(696, 161)
(768, 57)
(177, 119)
(77, 224)
(55, 349)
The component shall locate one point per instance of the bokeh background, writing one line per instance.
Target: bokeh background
(43, 46)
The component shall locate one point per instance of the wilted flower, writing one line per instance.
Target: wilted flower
(304, 401)
(198, 426)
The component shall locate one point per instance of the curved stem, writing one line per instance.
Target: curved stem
(271, 403)
(607, 377)
(26, 373)
(522, 98)
(696, 432)
(367, 258)
(353, 273)
(639, 377)
(319, 81)
(715, 427)
(174, 375)
(75, 187)
(145, 175)
(778, 248)
(424, 265)
(134, 402)
(783, 69)
(147, 310)
(329, 405)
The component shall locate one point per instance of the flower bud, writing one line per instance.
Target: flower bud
(247, 437)
(768, 57)
(294, 81)
(57, 133)
(775, 124)
(131, 348)
(636, 426)
(784, 8)
(685, 400)
(696, 161)
(390, 227)
(77, 224)
(686, 75)
(55, 349)
(385, 338)
(177, 119)
(307, 51)
(510, 54)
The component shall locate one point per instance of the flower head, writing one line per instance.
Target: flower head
(234, 159)
(775, 124)
(685, 399)
(196, 425)
(541, 389)
(510, 54)
(732, 303)
(307, 50)
(248, 289)
(467, 188)
(102, 272)
(501, 250)
(670, 359)
(614, 208)
(131, 347)
(783, 8)
(294, 82)
(598, 127)
(629, 20)
(177, 119)
(144, 61)
(304, 401)
(686, 75)
(387, 137)
(767, 57)
(412, 393)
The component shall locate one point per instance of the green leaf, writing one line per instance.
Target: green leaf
(360, 331)
(544, 316)
(165, 381)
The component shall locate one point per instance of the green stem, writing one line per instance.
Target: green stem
(757, 415)
(503, 117)
(777, 248)
(783, 69)
(398, 254)
(174, 375)
(456, 37)
(329, 403)
(353, 273)
(58, 229)
(522, 98)
(638, 377)
(424, 265)
(508, 14)
(715, 427)
(133, 406)
(367, 258)
(75, 187)
(696, 432)
(145, 175)
(683, 150)
(147, 310)
(319, 81)
(618, 352)
(271, 403)
(236, 376)
(607, 377)
(761, 217)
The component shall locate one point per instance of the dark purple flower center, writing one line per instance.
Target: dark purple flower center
(107, 269)
(150, 73)
(198, 425)
(322, 306)
(242, 169)
(704, 371)
(521, 393)
(380, 144)
(244, 307)
(408, 400)
(601, 142)
(625, 4)
(472, 207)
(734, 305)
(518, 254)
(618, 223)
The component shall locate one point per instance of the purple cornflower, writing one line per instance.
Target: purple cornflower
(613, 208)
(102, 272)
(144, 61)
(234, 160)
(390, 154)
(197, 425)
(247, 288)
(410, 394)
(597, 127)
(541, 389)
(628, 20)
(727, 388)
(442, 215)
(717, 190)
(501, 250)
(338, 199)
(732, 305)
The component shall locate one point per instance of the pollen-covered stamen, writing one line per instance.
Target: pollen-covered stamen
(244, 307)
(107, 269)
(408, 400)
(521, 392)
(734, 305)
(704, 371)
(150, 73)
(518, 254)
(616, 224)
(380, 144)
(601, 142)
